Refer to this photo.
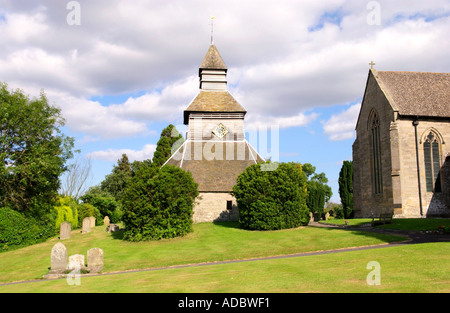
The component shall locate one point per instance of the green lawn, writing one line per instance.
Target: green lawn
(407, 268)
(416, 224)
(209, 242)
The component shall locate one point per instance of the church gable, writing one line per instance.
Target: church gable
(374, 99)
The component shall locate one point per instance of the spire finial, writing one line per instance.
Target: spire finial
(371, 65)
(212, 29)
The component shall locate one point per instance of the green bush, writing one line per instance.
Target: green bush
(270, 200)
(104, 202)
(158, 203)
(18, 230)
(87, 210)
(66, 210)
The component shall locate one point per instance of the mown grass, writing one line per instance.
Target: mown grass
(414, 224)
(423, 268)
(208, 243)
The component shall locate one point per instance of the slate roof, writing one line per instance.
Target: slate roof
(213, 101)
(213, 60)
(215, 172)
(416, 93)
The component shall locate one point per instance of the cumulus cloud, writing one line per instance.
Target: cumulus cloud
(115, 154)
(284, 59)
(342, 126)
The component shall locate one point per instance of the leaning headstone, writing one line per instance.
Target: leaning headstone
(76, 261)
(58, 258)
(106, 221)
(92, 220)
(86, 225)
(64, 230)
(95, 260)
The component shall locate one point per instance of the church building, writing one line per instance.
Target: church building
(401, 155)
(215, 150)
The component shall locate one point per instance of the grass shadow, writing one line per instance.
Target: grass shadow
(118, 234)
(235, 224)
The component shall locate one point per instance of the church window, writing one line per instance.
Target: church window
(377, 182)
(229, 205)
(432, 163)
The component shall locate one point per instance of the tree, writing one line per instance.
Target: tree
(74, 182)
(169, 141)
(33, 152)
(346, 188)
(319, 192)
(116, 182)
(158, 203)
(270, 200)
(104, 202)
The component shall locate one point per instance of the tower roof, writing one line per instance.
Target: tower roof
(213, 60)
(213, 101)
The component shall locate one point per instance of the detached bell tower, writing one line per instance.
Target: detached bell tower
(215, 150)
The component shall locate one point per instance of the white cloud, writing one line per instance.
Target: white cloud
(115, 154)
(256, 121)
(342, 126)
(284, 59)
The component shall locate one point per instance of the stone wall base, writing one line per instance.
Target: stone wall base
(215, 207)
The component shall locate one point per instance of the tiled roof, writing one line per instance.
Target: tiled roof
(417, 93)
(215, 172)
(213, 60)
(213, 101)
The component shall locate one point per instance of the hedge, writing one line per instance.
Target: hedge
(18, 230)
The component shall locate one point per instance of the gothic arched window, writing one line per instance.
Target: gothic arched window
(432, 163)
(374, 126)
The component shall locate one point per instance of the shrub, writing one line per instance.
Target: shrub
(158, 203)
(104, 202)
(66, 210)
(18, 230)
(269, 200)
(87, 210)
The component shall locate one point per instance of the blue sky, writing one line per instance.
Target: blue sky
(131, 67)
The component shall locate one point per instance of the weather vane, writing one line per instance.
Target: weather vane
(212, 29)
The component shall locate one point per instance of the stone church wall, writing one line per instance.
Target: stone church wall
(400, 194)
(433, 204)
(366, 202)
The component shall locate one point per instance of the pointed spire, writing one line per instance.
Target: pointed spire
(213, 60)
(213, 71)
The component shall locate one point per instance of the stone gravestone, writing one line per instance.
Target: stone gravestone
(112, 228)
(58, 258)
(95, 260)
(327, 216)
(92, 219)
(86, 225)
(106, 221)
(64, 230)
(76, 262)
